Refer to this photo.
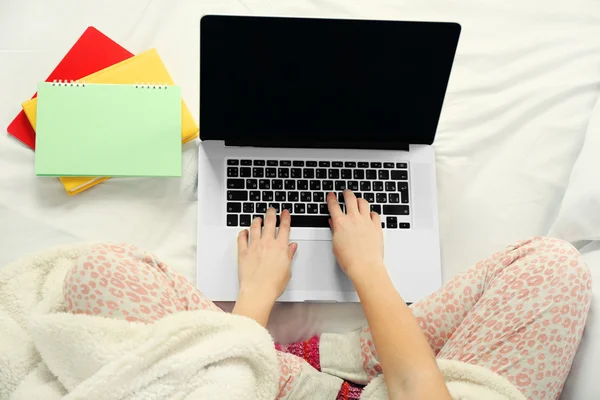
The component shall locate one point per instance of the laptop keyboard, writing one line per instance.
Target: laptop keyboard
(301, 187)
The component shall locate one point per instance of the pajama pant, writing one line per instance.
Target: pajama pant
(519, 313)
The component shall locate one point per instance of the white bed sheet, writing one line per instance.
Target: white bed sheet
(525, 79)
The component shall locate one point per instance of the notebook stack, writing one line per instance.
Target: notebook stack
(104, 112)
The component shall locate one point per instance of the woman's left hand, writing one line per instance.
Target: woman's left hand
(264, 263)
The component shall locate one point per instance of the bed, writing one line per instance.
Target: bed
(515, 122)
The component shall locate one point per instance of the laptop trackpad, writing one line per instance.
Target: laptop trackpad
(314, 269)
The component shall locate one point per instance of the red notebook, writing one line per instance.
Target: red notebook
(92, 52)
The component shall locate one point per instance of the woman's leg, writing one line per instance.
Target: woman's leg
(123, 282)
(520, 313)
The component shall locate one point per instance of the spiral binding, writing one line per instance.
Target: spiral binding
(79, 83)
(60, 82)
(146, 85)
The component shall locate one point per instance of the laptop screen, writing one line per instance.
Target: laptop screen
(332, 80)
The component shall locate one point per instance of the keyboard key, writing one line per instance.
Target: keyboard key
(392, 222)
(280, 196)
(245, 172)
(298, 163)
(249, 208)
(276, 184)
(233, 162)
(390, 186)
(235, 183)
(340, 185)
(312, 208)
(365, 186)
(394, 198)
(400, 175)
(376, 208)
(334, 174)
(255, 195)
(363, 164)
(401, 165)
(285, 163)
(275, 206)
(359, 174)
(358, 195)
(346, 174)
(388, 165)
(287, 206)
(315, 185)
(311, 163)
(245, 220)
(299, 208)
(321, 173)
(383, 225)
(305, 197)
(237, 195)
(403, 188)
(353, 185)
(318, 197)
(259, 162)
(328, 185)
(232, 220)
(375, 165)
(309, 173)
(310, 221)
(378, 186)
(272, 163)
(381, 198)
(324, 163)
(323, 208)
(258, 172)
(350, 164)
(296, 173)
(302, 184)
(384, 174)
(283, 173)
(370, 197)
(251, 183)
(340, 198)
(293, 196)
(232, 172)
(404, 225)
(371, 174)
(246, 162)
(264, 184)
(337, 164)
(290, 184)
(267, 196)
(271, 172)
(234, 207)
(261, 208)
(395, 210)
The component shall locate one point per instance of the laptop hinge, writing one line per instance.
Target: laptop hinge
(372, 145)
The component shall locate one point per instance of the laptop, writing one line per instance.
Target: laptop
(293, 108)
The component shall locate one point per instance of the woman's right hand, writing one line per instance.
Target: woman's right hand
(357, 236)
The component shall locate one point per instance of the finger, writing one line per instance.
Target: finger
(255, 229)
(330, 223)
(334, 208)
(243, 241)
(364, 207)
(270, 222)
(351, 203)
(283, 233)
(376, 218)
(292, 247)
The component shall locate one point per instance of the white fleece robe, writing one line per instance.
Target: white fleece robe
(47, 353)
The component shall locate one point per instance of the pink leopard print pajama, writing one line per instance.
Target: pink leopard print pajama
(519, 313)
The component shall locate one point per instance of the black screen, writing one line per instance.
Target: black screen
(323, 80)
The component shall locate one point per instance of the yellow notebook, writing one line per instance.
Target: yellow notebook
(146, 67)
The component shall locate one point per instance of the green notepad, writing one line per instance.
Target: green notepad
(108, 130)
